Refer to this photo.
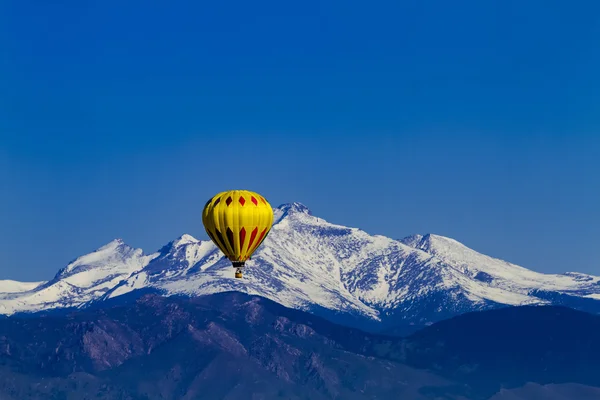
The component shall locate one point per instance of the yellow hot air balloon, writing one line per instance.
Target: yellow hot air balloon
(237, 221)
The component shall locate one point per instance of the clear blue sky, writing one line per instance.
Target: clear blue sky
(479, 120)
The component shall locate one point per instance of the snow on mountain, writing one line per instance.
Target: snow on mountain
(310, 264)
(499, 274)
(9, 286)
(292, 267)
(85, 279)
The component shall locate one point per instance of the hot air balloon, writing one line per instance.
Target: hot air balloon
(237, 221)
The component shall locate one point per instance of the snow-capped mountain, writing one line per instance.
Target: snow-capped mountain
(310, 264)
(512, 280)
(84, 279)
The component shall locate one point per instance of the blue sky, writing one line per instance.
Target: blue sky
(476, 120)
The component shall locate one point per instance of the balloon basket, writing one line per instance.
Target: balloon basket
(238, 265)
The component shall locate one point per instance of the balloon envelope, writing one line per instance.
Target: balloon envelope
(237, 221)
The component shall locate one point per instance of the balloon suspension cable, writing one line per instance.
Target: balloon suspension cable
(238, 265)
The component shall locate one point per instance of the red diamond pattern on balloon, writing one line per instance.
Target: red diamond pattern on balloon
(242, 201)
(242, 237)
(228, 201)
(254, 200)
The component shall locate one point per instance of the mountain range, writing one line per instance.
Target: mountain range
(343, 274)
(235, 346)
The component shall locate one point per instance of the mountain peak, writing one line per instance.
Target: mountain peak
(113, 244)
(184, 239)
(290, 209)
(430, 242)
(294, 207)
(412, 240)
(427, 242)
(111, 258)
(181, 241)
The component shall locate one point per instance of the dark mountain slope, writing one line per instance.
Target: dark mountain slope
(236, 346)
(507, 348)
(226, 346)
(566, 391)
